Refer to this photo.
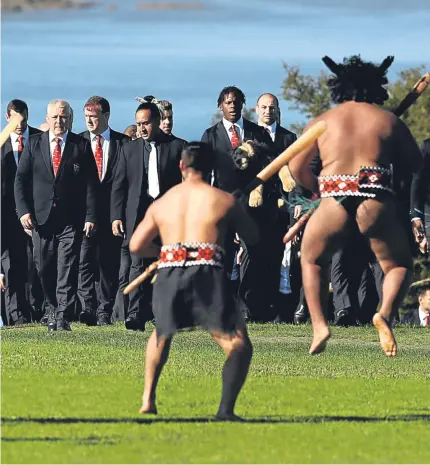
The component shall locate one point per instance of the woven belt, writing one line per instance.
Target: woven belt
(191, 254)
(367, 183)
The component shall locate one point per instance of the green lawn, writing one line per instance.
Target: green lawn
(74, 397)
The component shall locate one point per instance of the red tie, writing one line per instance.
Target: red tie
(235, 141)
(20, 146)
(427, 320)
(98, 155)
(56, 156)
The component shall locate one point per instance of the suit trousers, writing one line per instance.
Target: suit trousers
(120, 312)
(140, 303)
(56, 249)
(98, 271)
(14, 264)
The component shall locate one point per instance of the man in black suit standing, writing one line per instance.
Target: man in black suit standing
(16, 244)
(56, 188)
(100, 252)
(267, 109)
(420, 201)
(147, 168)
(420, 316)
(224, 137)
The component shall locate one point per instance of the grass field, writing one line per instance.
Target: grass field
(74, 397)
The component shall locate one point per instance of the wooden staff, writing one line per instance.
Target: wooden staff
(14, 122)
(412, 96)
(264, 175)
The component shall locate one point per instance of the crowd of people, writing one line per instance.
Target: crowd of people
(71, 202)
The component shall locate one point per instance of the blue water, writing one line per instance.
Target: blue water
(188, 56)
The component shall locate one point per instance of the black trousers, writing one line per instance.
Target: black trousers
(56, 253)
(34, 291)
(353, 279)
(120, 311)
(140, 302)
(99, 264)
(14, 264)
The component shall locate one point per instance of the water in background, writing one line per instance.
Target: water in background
(188, 56)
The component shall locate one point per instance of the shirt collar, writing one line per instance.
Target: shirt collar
(26, 135)
(422, 314)
(271, 127)
(63, 138)
(228, 124)
(105, 135)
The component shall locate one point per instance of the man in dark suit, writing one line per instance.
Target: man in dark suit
(23, 281)
(420, 316)
(56, 188)
(147, 168)
(224, 137)
(100, 253)
(267, 109)
(420, 201)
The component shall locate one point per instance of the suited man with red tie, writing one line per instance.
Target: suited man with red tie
(56, 189)
(19, 271)
(100, 253)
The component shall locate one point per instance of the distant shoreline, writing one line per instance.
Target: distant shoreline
(38, 5)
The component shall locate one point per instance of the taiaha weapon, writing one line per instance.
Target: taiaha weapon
(14, 122)
(309, 137)
(413, 95)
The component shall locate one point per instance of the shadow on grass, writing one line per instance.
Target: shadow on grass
(269, 419)
(89, 440)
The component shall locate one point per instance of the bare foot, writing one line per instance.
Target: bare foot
(148, 406)
(386, 336)
(319, 342)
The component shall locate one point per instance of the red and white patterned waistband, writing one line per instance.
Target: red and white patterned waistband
(367, 183)
(191, 254)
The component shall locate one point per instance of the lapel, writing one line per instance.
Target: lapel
(9, 157)
(46, 153)
(223, 137)
(67, 153)
(162, 158)
(247, 133)
(113, 145)
(141, 160)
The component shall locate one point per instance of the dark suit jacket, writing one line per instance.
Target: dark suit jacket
(411, 318)
(115, 145)
(8, 208)
(130, 198)
(227, 176)
(420, 190)
(73, 192)
(283, 139)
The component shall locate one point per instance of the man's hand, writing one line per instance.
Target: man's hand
(418, 230)
(297, 211)
(29, 232)
(89, 229)
(118, 228)
(2, 284)
(27, 221)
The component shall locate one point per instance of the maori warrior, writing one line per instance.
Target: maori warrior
(357, 151)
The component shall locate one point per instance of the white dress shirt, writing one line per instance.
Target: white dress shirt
(270, 129)
(105, 141)
(52, 142)
(14, 140)
(239, 128)
(423, 316)
(153, 182)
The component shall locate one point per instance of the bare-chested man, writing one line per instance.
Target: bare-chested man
(191, 287)
(356, 151)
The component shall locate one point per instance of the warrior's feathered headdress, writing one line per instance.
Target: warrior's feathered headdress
(358, 80)
(151, 99)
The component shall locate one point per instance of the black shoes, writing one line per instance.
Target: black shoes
(104, 320)
(300, 315)
(87, 318)
(52, 325)
(134, 324)
(63, 325)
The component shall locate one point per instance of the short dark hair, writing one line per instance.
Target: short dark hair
(152, 107)
(423, 290)
(17, 105)
(199, 156)
(99, 103)
(358, 80)
(231, 90)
